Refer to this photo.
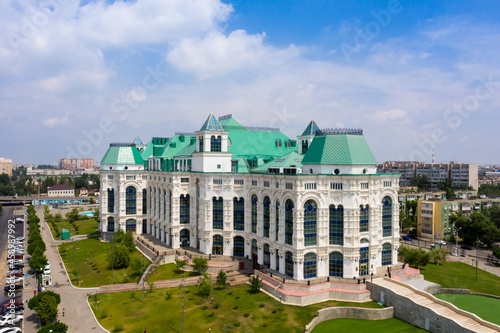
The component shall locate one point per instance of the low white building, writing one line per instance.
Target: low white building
(60, 191)
(310, 207)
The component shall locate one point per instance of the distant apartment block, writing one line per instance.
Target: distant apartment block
(6, 166)
(76, 163)
(47, 172)
(461, 174)
(433, 215)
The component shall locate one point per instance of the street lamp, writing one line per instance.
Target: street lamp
(456, 241)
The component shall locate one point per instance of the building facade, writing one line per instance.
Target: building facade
(76, 163)
(60, 191)
(310, 207)
(6, 166)
(461, 174)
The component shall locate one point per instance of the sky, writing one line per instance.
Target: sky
(416, 76)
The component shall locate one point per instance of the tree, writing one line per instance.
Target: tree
(200, 264)
(414, 257)
(128, 241)
(136, 266)
(38, 260)
(222, 279)
(493, 213)
(447, 185)
(179, 264)
(55, 327)
(118, 237)
(34, 302)
(476, 227)
(438, 255)
(121, 256)
(496, 252)
(47, 309)
(204, 285)
(73, 215)
(421, 181)
(255, 284)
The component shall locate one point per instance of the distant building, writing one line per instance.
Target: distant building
(6, 166)
(461, 174)
(47, 172)
(83, 191)
(433, 215)
(76, 163)
(60, 191)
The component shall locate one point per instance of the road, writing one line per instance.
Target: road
(6, 219)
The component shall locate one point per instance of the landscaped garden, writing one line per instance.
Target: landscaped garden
(463, 276)
(233, 309)
(484, 307)
(169, 272)
(391, 325)
(92, 263)
(74, 222)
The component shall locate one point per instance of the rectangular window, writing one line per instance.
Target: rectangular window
(111, 177)
(144, 177)
(238, 182)
(217, 181)
(130, 177)
(218, 213)
(335, 186)
(267, 184)
(277, 185)
(289, 186)
(310, 186)
(218, 166)
(184, 180)
(387, 183)
(364, 186)
(254, 183)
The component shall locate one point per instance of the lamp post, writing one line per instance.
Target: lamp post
(456, 241)
(183, 300)
(477, 243)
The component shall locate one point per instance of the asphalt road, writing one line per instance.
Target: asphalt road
(7, 215)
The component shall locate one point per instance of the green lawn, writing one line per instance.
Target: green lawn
(96, 271)
(168, 272)
(85, 227)
(486, 308)
(391, 325)
(233, 306)
(460, 275)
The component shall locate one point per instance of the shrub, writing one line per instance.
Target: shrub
(118, 328)
(216, 305)
(236, 307)
(261, 305)
(255, 284)
(204, 307)
(246, 314)
(237, 324)
(103, 314)
(211, 314)
(227, 328)
(222, 279)
(200, 264)
(204, 285)
(168, 295)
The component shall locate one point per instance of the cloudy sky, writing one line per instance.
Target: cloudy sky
(414, 75)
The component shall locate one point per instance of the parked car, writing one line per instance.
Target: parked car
(16, 266)
(13, 287)
(14, 275)
(14, 279)
(46, 270)
(20, 239)
(16, 310)
(14, 271)
(7, 304)
(466, 247)
(10, 330)
(442, 242)
(406, 238)
(15, 256)
(10, 319)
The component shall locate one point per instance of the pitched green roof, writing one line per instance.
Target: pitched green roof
(176, 144)
(186, 151)
(344, 149)
(285, 161)
(231, 124)
(122, 155)
(312, 129)
(211, 124)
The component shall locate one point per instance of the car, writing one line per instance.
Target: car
(10, 319)
(406, 238)
(10, 330)
(19, 220)
(19, 238)
(466, 247)
(441, 242)
(46, 271)
(12, 287)
(16, 266)
(14, 279)
(8, 303)
(14, 275)
(16, 310)
(15, 256)
(14, 271)
(15, 261)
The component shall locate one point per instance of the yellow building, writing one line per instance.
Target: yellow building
(6, 166)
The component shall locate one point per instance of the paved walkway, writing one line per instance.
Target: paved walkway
(429, 301)
(78, 315)
(482, 264)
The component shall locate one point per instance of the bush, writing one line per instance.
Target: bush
(168, 295)
(246, 314)
(200, 264)
(261, 305)
(204, 307)
(237, 324)
(255, 284)
(204, 285)
(211, 314)
(121, 256)
(118, 328)
(226, 328)
(222, 279)
(103, 314)
(236, 307)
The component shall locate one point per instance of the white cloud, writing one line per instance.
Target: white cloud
(56, 122)
(384, 116)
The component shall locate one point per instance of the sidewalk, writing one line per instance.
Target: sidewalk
(78, 315)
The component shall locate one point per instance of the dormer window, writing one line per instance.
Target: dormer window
(279, 144)
(215, 143)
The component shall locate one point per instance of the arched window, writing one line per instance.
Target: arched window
(130, 225)
(289, 222)
(217, 213)
(170, 206)
(111, 200)
(363, 218)
(215, 143)
(218, 244)
(239, 246)
(309, 265)
(386, 254)
(267, 255)
(387, 217)
(130, 202)
(200, 139)
(336, 261)
(239, 214)
(164, 205)
(267, 215)
(184, 238)
(254, 214)
(336, 225)
(277, 219)
(184, 209)
(305, 146)
(289, 264)
(255, 250)
(111, 224)
(144, 201)
(310, 221)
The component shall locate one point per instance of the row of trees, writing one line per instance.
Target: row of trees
(419, 257)
(45, 303)
(423, 184)
(483, 227)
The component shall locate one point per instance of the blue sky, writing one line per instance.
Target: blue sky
(415, 75)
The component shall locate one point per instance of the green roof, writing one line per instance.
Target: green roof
(211, 124)
(175, 145)
(285, 161)
(231, 124)
(186, 151)
(344, 149)
(312, 129)
(122, 155)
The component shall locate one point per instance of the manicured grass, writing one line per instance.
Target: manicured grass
(168, 272)
(391, 325)
(96, 271)
(85, 227)
(484, 307)
(460, 275)
(234, 306)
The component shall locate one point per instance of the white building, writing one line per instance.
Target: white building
(306, 208)
(60, 191)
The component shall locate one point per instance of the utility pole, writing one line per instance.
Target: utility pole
(183, 300)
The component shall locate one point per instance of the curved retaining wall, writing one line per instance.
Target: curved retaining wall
(348, 312)
(462, 292)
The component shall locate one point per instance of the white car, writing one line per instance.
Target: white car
(10, 330)
(442, 242)
(19, 239)
(10, 319)
(14, 280)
